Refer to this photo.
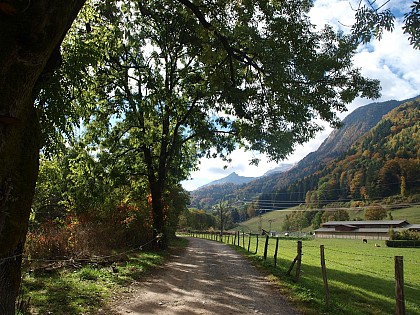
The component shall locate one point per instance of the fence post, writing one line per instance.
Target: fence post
(249, 240)
(243, 239)
(324, 276)
(239, 238)
(234, 240)
(399, 285)
(299, 260)
(256, 246)
(267, 238)
(275, 252)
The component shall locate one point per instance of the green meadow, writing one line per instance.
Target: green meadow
(275, 219)
(360, 276)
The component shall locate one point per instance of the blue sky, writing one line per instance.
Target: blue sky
(392, 61)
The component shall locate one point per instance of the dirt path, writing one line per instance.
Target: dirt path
(208, 278)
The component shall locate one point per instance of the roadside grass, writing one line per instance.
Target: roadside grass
(360, 276)
(85, 289)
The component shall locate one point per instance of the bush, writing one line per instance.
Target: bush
(84, 237)
(402, 243)
(404, 235)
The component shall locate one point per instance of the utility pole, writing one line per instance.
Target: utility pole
(269, 221)
(221, 222)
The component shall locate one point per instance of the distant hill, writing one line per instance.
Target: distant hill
(355, 125)
(232, 178)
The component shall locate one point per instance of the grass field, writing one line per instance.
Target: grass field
(360, 276)
(412, 215)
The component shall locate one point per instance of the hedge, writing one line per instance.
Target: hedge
(402, 243)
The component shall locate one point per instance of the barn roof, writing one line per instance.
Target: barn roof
(368, 222)
(414, 227)
(362, 230)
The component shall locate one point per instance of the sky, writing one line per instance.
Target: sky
(392, 61)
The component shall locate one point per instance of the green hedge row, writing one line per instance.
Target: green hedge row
(402, 243)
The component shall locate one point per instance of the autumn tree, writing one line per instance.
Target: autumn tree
(375, 212)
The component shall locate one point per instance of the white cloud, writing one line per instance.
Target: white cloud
(392, 61)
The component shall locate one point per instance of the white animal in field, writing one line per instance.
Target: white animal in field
(377, 245)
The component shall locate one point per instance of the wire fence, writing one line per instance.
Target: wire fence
(93, 259)
(365, 270)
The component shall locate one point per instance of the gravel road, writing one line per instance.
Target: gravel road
(207, 278)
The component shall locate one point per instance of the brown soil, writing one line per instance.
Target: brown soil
(207, 278)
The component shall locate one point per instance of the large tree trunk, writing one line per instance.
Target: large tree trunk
(159, 222)
(28, 37)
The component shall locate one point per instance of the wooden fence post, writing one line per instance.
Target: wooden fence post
(324, 276)
(239, 238)
(249, 240)
(234, 240)
(256, 246)
(243, 239)
(267, 238)
(275, 252)
(299, 260)
(399, 285)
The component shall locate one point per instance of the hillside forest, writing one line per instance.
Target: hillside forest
(381, 169)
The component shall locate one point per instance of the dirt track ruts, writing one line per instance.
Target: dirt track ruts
(207, 278)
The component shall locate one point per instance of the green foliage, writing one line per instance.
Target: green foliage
(372, 19)
(412, 24)
(404, 235)
(195, 219)
(295, 221)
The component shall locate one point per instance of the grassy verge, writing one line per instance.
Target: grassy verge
(360, 276)
(85, 289)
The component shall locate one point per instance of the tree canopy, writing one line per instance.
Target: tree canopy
(168, 82)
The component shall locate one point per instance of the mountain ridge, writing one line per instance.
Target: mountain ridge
(354, 126)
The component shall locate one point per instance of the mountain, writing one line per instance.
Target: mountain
(357, 123)
(383, 163)
(279, 169)
(232, 178)
(354, 126)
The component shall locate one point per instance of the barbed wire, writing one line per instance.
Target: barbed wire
(95, 258)
(384, 276)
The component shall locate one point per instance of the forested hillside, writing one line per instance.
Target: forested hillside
(385, 162)
(353, 127)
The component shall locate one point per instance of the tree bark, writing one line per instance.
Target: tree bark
(28, 35)
(159, 221)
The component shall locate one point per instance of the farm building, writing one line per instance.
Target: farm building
(377, 230)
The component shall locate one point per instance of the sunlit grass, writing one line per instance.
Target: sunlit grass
(360, 276)
(85, 289)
